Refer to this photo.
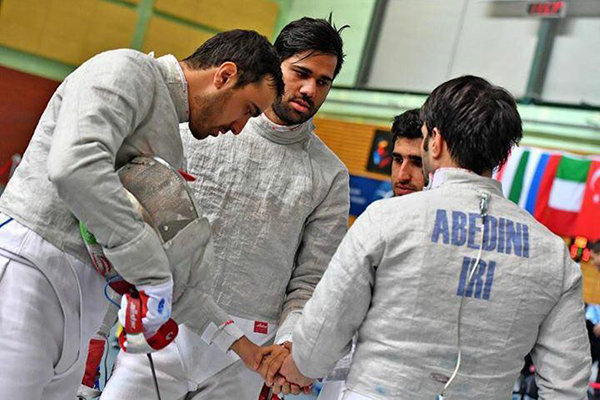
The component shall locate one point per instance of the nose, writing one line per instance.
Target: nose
(404, 174)
(309, 88)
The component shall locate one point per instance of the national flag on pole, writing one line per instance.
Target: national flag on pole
(588, 222)
(561, 212)
(522, 174)
(561, 191)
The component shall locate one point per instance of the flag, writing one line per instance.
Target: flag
(521, 176)
(562, 191)
(560, 199)
(588, 221)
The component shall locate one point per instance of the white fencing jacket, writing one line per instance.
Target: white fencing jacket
(118, 105)
(398, 277)
(278, 200)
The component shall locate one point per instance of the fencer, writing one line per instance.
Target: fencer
(451, 287)
(278, 202)
(115, 106)
(406, 178)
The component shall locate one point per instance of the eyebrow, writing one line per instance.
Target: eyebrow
(411, 157)
(310, 72)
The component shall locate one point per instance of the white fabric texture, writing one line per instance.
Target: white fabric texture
(44, 340)
(396, 279)
(350, 395)
(277, 199)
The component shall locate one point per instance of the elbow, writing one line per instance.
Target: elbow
(59, 173)
(63, 175)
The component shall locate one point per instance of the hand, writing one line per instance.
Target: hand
(155, 307)
(250, 353)
(272, 361)
(270, 365)
(281, 385)
(144, 316)
(292, 374)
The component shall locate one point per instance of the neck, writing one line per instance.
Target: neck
(273, 117)
(198, 80)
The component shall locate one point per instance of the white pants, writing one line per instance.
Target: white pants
(50, 305)
(350, 395)
(336, 390)
(188, 369)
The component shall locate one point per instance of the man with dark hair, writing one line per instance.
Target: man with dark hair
(407, 177)
(278, 201)
(407, 167)
(118, 105)
(451, 287)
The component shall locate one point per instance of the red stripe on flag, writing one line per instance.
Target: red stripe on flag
(500, 172)
(541, 204)
(587, 220)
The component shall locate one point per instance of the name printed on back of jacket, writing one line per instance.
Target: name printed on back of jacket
(501, 235)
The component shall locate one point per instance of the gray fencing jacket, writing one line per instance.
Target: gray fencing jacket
(398, 277)
(278, 200)
(118, 105)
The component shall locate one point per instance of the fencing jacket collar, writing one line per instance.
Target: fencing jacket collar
(442, 176)
(281, 134)
(177, 85)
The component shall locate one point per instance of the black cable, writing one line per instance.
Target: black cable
(154, 375)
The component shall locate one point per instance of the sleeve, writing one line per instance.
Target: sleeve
(323, 231)
(340, 302)
(101, 106)
(200, 313)
(562, 351)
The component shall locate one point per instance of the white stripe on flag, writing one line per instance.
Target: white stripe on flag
(511, 168)
(566, 195)
(532, 163)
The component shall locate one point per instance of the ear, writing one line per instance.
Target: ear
(436, 144)
(225, 75)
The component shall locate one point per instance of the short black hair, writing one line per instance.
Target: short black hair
(479, 121)
(252, 53)
(316, 35)
(595, 246)
(407, 125)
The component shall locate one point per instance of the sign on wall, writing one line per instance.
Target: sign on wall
(380, 156)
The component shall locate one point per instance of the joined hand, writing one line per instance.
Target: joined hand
(280, 372)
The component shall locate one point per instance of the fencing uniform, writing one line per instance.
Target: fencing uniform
(398, 277)
(118, 105)
(277, 199)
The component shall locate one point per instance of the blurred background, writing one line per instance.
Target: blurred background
(547, 53)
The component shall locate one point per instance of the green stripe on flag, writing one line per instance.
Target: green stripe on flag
(517, 183)
(573, 169)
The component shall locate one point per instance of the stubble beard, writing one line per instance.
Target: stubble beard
(206, 108)
(288, 115)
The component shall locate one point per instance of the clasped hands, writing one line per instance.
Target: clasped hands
(276, 366)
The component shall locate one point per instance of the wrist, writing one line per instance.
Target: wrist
(241, 347)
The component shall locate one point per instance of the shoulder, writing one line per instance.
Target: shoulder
(123, 57)
(325, 156)
(123, 65)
